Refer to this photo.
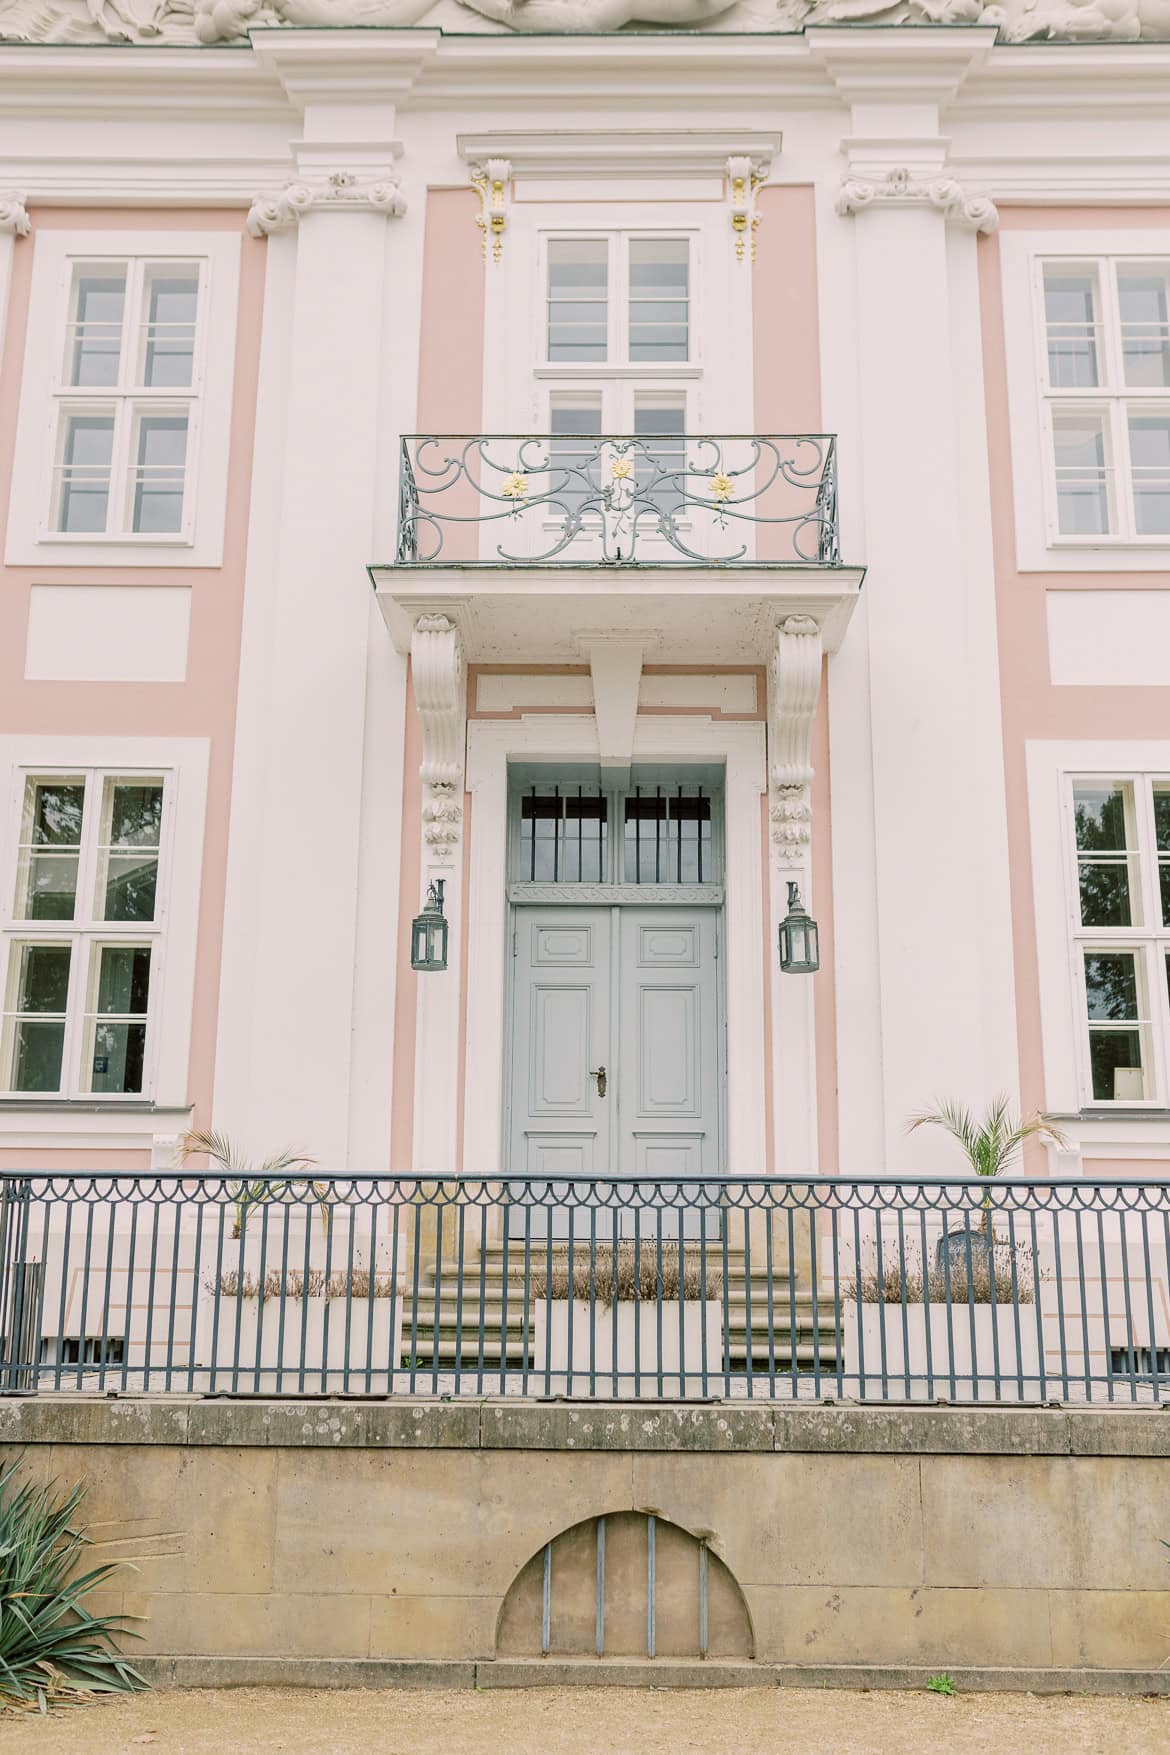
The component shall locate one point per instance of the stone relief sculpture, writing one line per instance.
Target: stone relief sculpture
(1018, 21)
(601, 15)
(221, 21)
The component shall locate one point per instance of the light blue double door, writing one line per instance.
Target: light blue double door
(617, 1046)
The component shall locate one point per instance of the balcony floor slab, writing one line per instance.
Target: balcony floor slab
(688, 615)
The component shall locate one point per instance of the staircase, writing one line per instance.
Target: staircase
(447, 1330)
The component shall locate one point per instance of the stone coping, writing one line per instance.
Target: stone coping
(492, 1424)
(300, 1672)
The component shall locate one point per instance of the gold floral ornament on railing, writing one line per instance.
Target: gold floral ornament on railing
(621, 468)
(516, 488)
(722, 487)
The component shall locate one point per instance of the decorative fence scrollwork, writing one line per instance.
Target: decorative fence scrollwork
(618, 500)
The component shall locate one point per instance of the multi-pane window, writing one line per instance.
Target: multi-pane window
(1121, 835)
(127, 395)
(618, 300)
(1107, 329)
(82, 946)
(654, 833)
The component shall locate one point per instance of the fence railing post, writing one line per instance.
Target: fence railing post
(21, 1284)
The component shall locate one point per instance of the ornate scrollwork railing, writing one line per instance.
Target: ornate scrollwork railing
(618, 500)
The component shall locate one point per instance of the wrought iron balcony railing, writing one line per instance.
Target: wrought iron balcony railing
(588, 499)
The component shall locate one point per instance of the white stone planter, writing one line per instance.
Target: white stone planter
(968, 1350)
(637, 1348)
(270, 1354)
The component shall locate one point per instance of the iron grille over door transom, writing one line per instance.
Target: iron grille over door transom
(658, 832)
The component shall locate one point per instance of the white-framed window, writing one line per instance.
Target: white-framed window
(1118, 852)
(101, 867)
(128, 396)
(128, 376)
(617, 346)
(84, 934)
(1087, 327)
(617, 299)
(1107, 395)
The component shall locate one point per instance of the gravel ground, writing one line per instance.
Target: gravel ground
(580, 1721)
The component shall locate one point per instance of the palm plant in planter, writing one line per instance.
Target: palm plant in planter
(248, 1184)
(971, 1325)
(990, 1146)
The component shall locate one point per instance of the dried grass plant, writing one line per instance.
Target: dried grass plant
(297, 1285)
(895, 1282)
(637, 1275)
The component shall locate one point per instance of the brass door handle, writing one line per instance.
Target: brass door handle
(599, 1075)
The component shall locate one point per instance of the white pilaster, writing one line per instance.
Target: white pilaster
(440, 692)
(306, 710)
(946, 1016)
(794, 685)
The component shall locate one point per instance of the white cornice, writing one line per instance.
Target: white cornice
(59, 181)
(621, 152)
(879, 66)
(1126, 179)
(712, 73)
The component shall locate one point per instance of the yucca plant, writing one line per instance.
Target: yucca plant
(993, 1143)
(248, 1184)
(52, 1650)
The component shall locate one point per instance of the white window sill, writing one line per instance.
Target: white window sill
(588, 373)
(92, 1102)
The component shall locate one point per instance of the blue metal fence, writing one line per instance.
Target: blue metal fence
(809, 1288)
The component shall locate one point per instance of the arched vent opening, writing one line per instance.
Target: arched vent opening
(626, 1585)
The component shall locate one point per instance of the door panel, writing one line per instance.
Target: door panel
(669, 1036)
(560, 1126)
(562, 1030)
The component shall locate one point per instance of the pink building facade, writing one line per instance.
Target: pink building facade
(616, 474)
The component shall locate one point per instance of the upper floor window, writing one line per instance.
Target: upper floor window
(1121, 837)
(125, 417)
(127, 397)
(82, 942)
(618, 300)
(1107, 396)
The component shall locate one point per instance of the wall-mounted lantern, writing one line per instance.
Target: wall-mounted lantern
(800, 951)
(428, 932)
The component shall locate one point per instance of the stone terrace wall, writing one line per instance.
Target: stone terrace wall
(331, 1542)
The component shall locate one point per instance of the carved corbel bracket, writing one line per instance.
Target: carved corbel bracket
(490, 181)
(14, 214)
(745, 177)
(901, 188)
(795, 678)
(341, 192)
(440, 693)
